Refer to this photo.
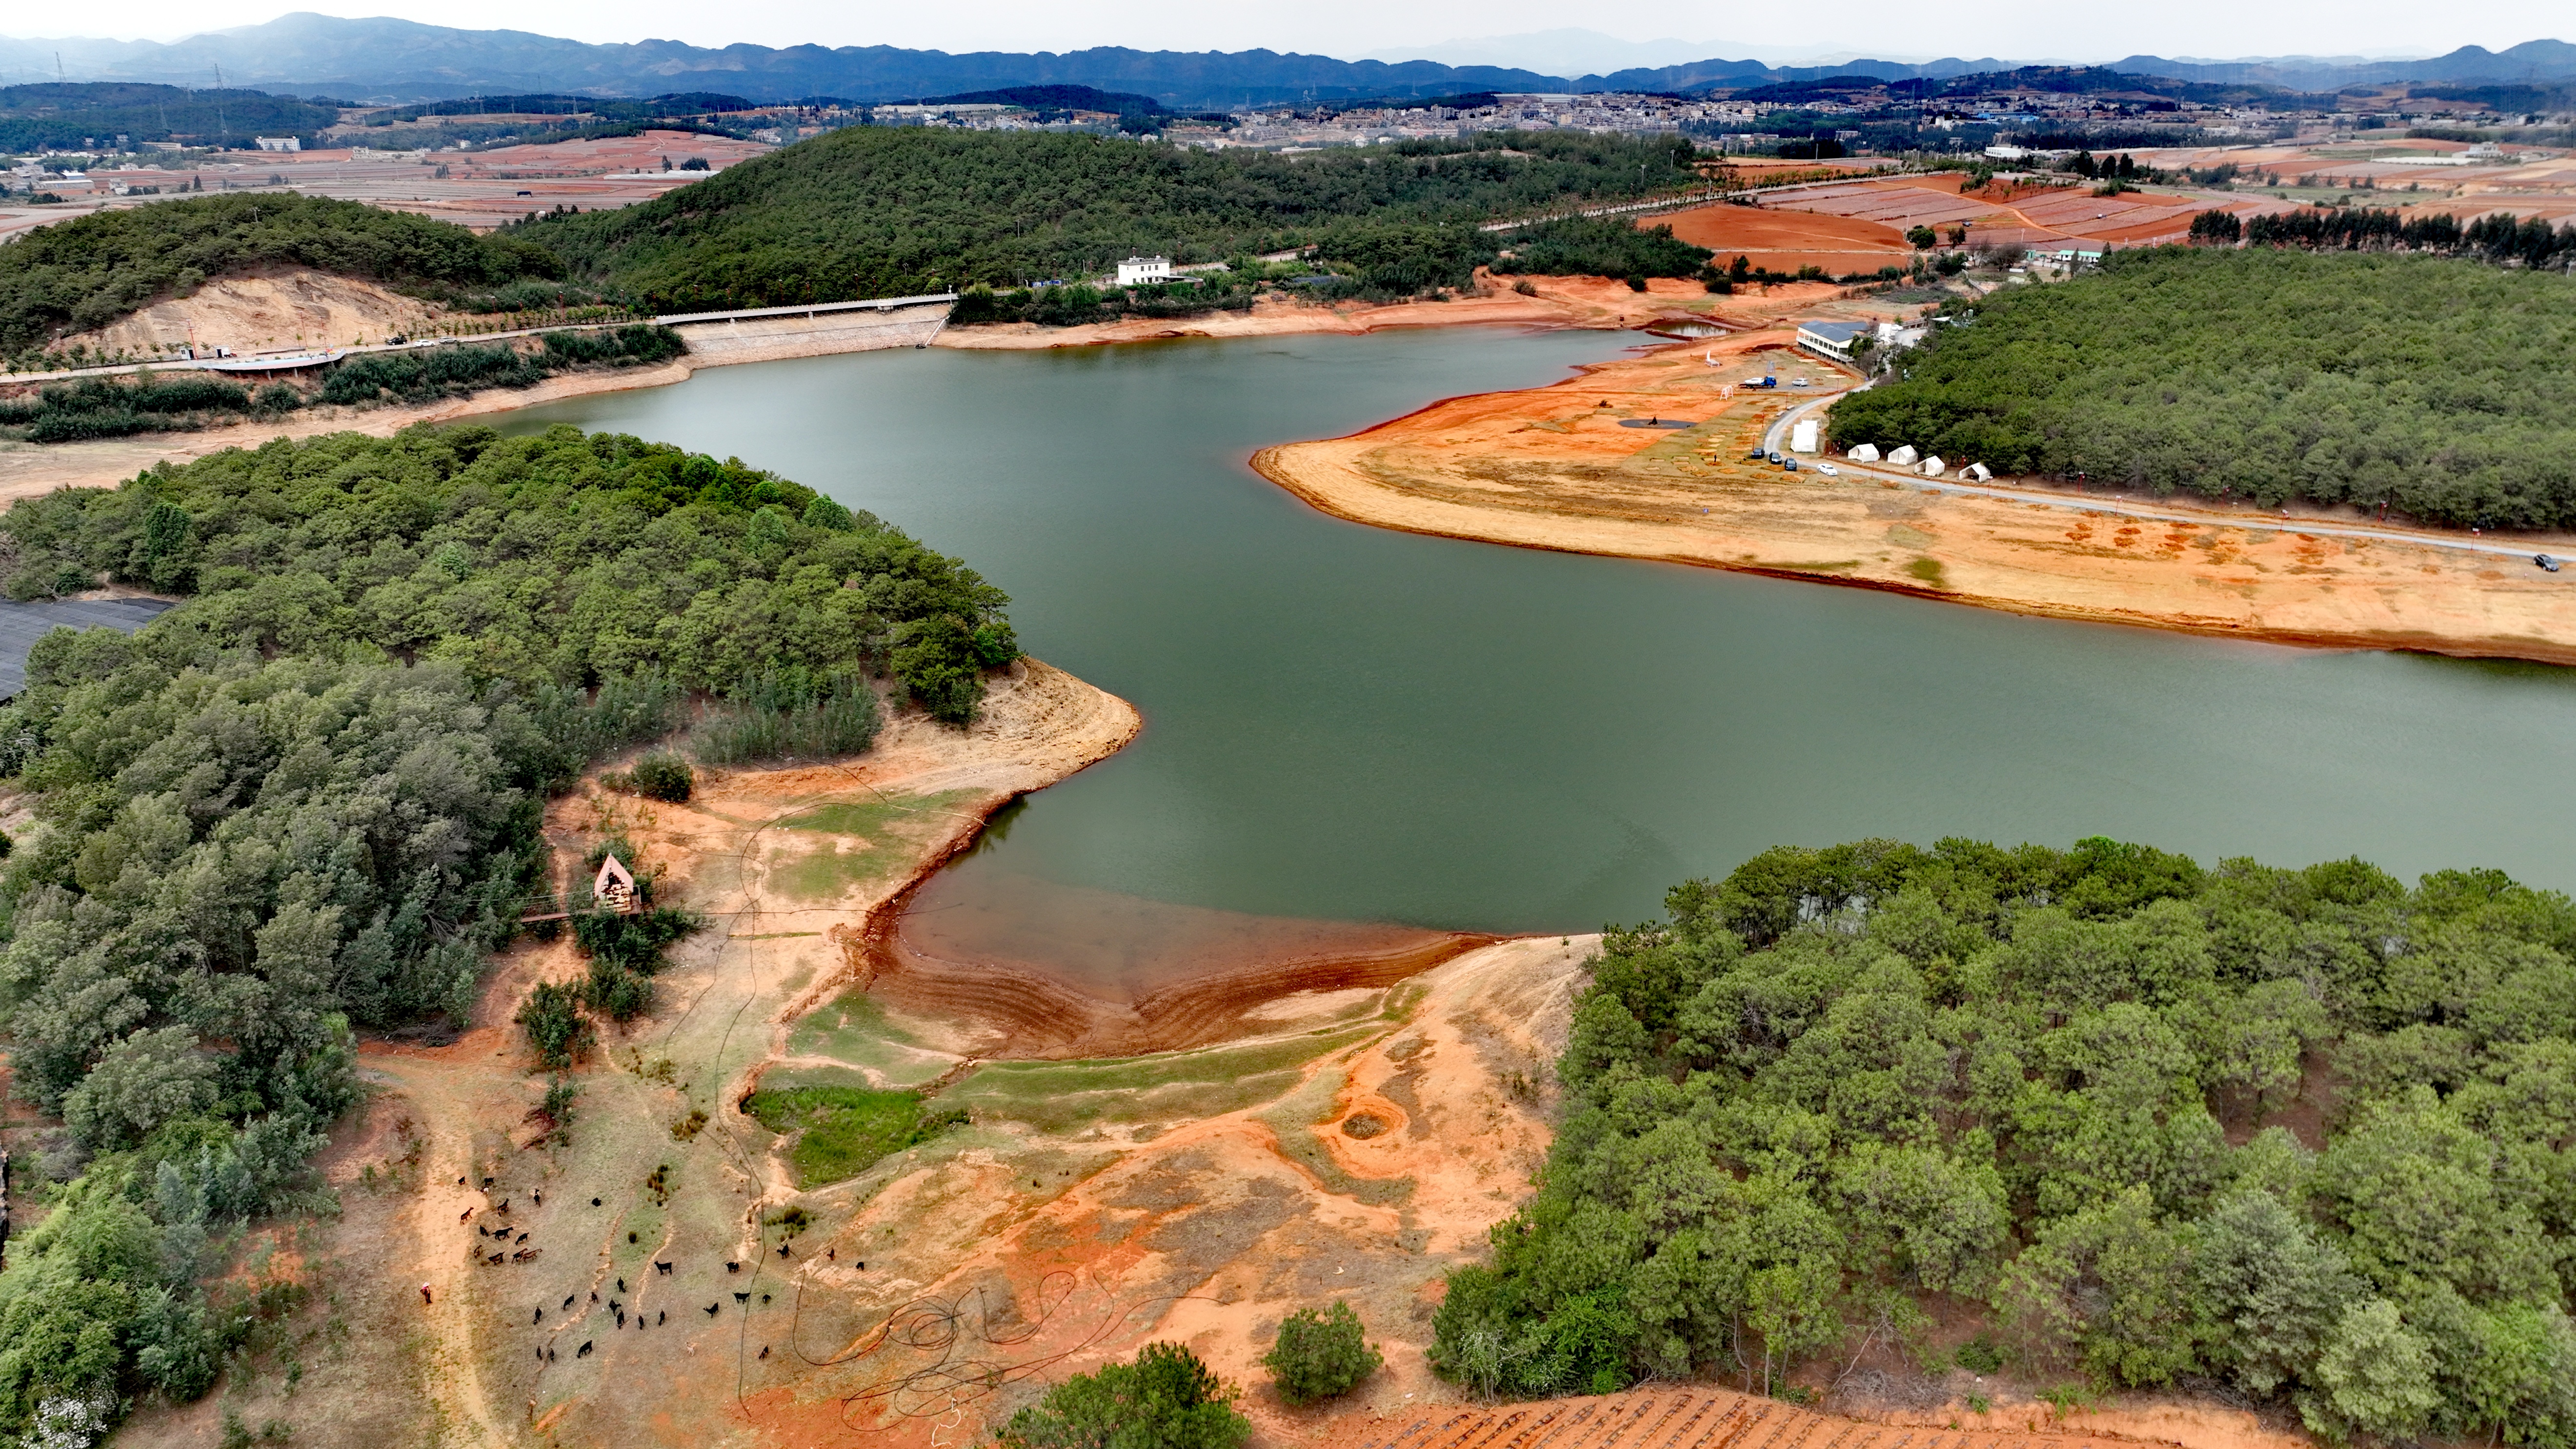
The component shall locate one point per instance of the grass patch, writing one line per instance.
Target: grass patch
(1929, 571)
(849, 817)
(831, 871)
(1180, 1101)
(854, 1029)
(873, 816)
(1066, 1096)
(1028, 1080)
(843, 1131)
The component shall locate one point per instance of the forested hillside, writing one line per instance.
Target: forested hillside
(2309, 1132)
(87, 272)
(2437, 386)
(51, 116)
(891, 211)
(307, 800)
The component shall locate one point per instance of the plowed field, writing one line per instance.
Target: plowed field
(1784, 241)
(1695, 1419)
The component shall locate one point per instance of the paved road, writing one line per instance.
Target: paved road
(1774, 440)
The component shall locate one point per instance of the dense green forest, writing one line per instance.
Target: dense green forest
(1594, 246)
(2437, 386)
(2309, 1132)
(892, 211)
(306, 800)
(84, 273)
(86, 115)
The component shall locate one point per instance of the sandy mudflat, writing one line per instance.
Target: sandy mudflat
(1552, 468)
(1585, 302)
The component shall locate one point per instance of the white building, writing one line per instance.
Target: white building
(1831, 339)
(280, 143)
(1137, 271)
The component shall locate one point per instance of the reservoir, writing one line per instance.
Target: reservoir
(1355, 725)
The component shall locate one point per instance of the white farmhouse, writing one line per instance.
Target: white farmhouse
(1137, 271)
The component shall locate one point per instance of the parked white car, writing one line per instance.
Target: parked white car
(1829, 470)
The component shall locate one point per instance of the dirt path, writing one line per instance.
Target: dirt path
(1582, 302)
(1555, 468)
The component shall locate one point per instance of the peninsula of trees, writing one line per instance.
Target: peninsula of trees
(306, 801)
(2435, 386)
(2305, 1131)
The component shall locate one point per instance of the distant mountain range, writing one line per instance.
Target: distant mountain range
(398, 60)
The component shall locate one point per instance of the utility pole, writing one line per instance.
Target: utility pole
(223, 127)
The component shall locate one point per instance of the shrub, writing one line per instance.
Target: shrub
(662, 775)
(795, 713)
(555, 1025)
(943, 669)
(1320, 1354)
(1166, 1399)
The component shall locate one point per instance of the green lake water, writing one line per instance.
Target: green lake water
(1353, 724)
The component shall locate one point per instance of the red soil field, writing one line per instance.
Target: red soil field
(1787, 240)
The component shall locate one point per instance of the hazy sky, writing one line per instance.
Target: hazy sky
(2208, 28)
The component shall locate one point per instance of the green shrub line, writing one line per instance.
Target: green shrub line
(144, 402)
(1842, 1086)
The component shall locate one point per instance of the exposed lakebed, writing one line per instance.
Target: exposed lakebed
(1345, 724)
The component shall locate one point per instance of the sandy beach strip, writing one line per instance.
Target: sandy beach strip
(1553, 468)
